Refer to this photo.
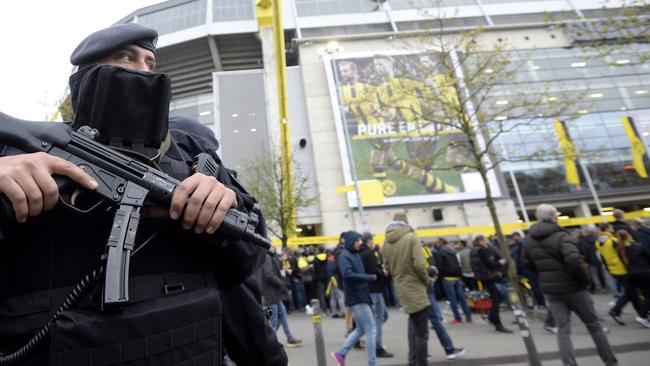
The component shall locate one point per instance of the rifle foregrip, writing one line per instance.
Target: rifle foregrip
(236, 226)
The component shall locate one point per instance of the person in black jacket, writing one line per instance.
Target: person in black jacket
(374, 264)
(620, 223)
(274, 291)
(637, 259)
(449, 270)
(587, 248)
(487, 269)
(642, 233)
(181, 286)
(552, 253)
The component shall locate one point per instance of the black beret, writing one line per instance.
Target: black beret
(106, 41)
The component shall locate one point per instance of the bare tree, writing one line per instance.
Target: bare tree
(264, 180)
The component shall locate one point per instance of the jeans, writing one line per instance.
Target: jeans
(580, 303)
(298, 292)
(381, 315)
(337, 305)
(279, 317)
(363, 318)
(614, 286)
(436, 321)
(502, 286)
(630, 294)
(455, 293)
(418, 336)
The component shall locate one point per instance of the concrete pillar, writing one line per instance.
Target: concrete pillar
(270, 85)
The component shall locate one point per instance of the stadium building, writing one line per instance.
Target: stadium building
(212, 50)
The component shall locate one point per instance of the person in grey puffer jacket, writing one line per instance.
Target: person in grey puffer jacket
(552, 253)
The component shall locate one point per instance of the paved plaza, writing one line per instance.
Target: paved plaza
(484, 346)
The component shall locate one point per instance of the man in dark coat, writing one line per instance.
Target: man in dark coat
(274, 291)
(642, 233)
(374, 264)
(552, 253)
(487, 269)
(620, 223)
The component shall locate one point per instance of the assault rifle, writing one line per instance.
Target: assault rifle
(124, 183)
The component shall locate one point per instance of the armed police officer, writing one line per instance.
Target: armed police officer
(185, 292)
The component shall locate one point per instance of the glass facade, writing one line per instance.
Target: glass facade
(242, 117)
(307, 8)
(508, 1)
(422, 4)
(175, 18)
(232, 10)
(198, 107)
(613, 87)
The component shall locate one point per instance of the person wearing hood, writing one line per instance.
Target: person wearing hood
(552, 253)
(404, 260)
(357, 297)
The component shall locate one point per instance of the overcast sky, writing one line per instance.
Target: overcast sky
(36, 40)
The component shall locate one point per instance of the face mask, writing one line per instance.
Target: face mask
(129, 108)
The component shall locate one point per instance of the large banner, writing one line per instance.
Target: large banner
(390, 109)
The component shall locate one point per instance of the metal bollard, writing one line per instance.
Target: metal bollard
(524, 328)
(318, 333)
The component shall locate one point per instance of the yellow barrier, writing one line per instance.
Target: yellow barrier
(485, 229)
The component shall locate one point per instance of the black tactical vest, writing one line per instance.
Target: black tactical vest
(174, 314)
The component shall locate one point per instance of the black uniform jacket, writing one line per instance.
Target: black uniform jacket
(54, 250)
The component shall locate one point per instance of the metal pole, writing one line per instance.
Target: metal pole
(515, 185)
(524, 327)
(318, 333)
(590, 184)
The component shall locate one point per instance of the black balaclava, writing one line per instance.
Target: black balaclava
(129, 108)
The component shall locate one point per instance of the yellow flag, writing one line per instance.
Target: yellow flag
(637, 145)
(569, 152)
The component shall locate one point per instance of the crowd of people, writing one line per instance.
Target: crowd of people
(358, 280)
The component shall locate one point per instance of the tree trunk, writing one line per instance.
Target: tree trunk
(520, 315)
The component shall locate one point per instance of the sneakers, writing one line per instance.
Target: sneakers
(457, 352)
(487, 319)
(643, 321)
(617, 317)
(339, 358)
(358, 345)
(550, 329)
(381, 352)
(294, 342)
(456, 321)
